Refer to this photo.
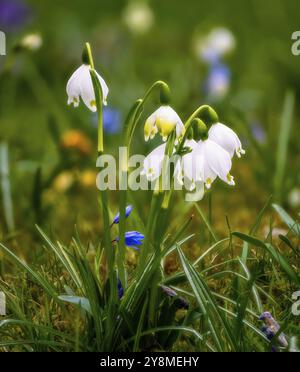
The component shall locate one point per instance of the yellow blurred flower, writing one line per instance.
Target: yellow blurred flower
(88, 178)
(32, 41)
(63, 181)
(75, 139)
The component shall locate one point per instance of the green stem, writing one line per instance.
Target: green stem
(103, 194)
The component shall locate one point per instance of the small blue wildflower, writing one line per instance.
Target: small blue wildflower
(120, 289)
(13, 14)
(218, 81)
(258, 132)
(111, 120)
(127, 213)
(133, 239)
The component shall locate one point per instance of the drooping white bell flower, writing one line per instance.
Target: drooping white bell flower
(164, 120)
(80, 85)
(188, 170)
(153, 163)
(213, 161)
(226, 138)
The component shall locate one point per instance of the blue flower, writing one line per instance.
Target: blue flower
(127, 213)
(120, 289)
(258, 132)
(111, 120)
(13, 14)
(218, 81)
(133, 239)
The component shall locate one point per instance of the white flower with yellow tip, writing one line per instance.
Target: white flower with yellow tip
(213, 161)
(153, 163)
(226, 138)
(81, 85)
(163, 121)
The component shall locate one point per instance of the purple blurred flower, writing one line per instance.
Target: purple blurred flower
(14, 14)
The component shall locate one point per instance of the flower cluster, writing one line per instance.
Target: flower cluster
(208, 157)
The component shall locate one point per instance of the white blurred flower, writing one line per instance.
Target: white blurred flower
(138, 16)
(164, 120)
(216, 44)
(32, 41)
(227, 139)
(294, 198)
(80, 85)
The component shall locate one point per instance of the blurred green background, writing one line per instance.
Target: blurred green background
(52, 170)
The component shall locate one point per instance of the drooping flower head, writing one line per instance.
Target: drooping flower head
(163, 121)
(153, 163)
(214, 162)
(208, 160)
(127, 214)
(80, 85)
(227, 139)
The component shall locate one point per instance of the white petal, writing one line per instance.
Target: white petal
(153, 163)
(73, 86)
(207, 174)
(226, 138)
(218, 161)
(87, 90)
(191, 163)
(80, 85)
(180, 129)
(104, 87)
(150, 128)
(165, 119)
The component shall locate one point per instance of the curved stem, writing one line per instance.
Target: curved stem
(197, 114)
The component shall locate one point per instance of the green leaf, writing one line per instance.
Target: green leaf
(82, 302)
(220, 329)
(288, 220)
(276, 255)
